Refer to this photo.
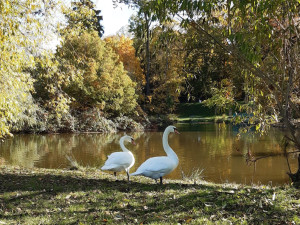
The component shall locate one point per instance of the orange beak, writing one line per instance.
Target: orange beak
(176, 131)
(132, 142)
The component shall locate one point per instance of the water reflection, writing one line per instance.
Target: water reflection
(212, 147)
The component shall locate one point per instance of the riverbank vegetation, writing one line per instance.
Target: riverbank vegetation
(82, 78)
(79, 83)
(35, 196)
(199, 112)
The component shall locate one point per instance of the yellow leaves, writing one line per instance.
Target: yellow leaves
(102, 79)
(257, 127)
(13, 98)
(188, 219)
(7, 4)
(123, 47)
(33, 7)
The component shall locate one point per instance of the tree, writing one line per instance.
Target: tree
(141, 26)
(167, 63)
(18, 27)
(123, 47)
(262, 36)
(49, 87)
(84, 15)
(206, 64)
(97, 78)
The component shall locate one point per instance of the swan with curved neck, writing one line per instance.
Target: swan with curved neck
(119, 161)
(157, 167)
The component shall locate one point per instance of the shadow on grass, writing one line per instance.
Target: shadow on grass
(216, 205)
(59, 183)
(31, 195)
(95, 200)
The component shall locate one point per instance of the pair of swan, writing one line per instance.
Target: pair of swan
(155, 167)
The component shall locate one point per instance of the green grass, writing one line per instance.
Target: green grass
(196, 112)
(43, 196)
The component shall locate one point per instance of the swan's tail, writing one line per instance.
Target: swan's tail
(136, 173)
(106, 167)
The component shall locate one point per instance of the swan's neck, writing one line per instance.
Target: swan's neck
(170, 153)
(123, 146)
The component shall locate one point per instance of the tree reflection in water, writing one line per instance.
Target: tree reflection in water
(214, 148)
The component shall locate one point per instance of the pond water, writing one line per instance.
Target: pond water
(211, 148)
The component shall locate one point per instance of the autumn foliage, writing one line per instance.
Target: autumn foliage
(123, 47)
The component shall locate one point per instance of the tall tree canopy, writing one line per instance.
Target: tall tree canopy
(20, 38)
(259, 40)
(84, 14)
(124, 48)
(96, 76)
(53, 63)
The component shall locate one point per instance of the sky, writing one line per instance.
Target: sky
(113, 18)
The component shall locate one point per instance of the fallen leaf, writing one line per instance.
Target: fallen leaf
(188, 220)
(68, 196)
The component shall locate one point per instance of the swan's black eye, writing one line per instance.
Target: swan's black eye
(175, 130)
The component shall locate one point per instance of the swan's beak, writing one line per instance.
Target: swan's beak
(176, 131)
(132, 142)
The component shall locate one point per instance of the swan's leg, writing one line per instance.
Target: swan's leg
(115, 174)
(160, 180)
(127, 171)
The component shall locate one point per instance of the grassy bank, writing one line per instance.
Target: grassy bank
(42, 196)
(197, 112)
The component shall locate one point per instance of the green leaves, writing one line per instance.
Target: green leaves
(102, 81)
(16, 60)
(82, 16)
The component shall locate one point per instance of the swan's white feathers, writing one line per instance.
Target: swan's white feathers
(156, 167)
(118, 161)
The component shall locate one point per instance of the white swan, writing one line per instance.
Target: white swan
(157, 167)
(119, 161)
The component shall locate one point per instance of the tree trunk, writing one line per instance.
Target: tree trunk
(147, 56)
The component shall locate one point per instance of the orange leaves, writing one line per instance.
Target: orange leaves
(103, 80)
(123, 47)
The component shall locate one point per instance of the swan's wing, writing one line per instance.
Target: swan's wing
(156, 167)
(118, 159)
(156, 164)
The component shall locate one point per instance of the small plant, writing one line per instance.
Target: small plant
(196, 175)
(74, 164)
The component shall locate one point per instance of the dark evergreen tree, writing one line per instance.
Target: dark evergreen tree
(90, 22)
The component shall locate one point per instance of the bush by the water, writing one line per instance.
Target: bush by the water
(90, 120)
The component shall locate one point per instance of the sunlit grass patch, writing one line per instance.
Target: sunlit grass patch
(35, 196)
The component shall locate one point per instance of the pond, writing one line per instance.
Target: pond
(211, 148)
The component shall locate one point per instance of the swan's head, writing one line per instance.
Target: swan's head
(172, 129)
(128, 139)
